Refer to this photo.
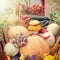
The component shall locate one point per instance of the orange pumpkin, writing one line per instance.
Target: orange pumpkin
(35, 46)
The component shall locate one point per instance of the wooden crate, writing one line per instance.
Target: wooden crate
(2, 43)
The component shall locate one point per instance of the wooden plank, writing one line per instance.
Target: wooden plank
(1, 52)
(5, 35)
(2, 44)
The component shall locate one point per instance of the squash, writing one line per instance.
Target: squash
(17, 30)
(49, 37)
(35, 46)
(53, 28)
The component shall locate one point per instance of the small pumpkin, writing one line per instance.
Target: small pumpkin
(49, 37)
(53, 28)
(10, 49)
(17, 30)
(35, 46)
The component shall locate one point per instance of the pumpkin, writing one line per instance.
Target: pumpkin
(53, 28)
(34, 28)
(17, 30)
(35, 46)
(10, 49)
(49, 37)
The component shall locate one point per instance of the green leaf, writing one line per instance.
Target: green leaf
(54, 16)
(53, 13)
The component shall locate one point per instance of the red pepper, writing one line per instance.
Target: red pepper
(43, 30)
(25, 17)
(45, 37)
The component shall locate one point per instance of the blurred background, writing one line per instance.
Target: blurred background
(52, 4)
(49, 4)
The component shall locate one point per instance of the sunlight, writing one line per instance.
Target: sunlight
(7, 4)
(3, 5)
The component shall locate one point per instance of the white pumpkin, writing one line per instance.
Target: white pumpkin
(50, 39)
(10, 50)
(12, 19)
(53, 28)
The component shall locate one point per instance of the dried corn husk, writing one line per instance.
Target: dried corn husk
(58, 55)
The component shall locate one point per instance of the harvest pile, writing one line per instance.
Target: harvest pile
(22, 38)
(33, 42)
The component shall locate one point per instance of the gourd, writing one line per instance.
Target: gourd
(35, 46)
(10, 49)
(53, 28)
(17, 30)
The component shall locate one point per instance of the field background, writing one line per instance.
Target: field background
(52, 4)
